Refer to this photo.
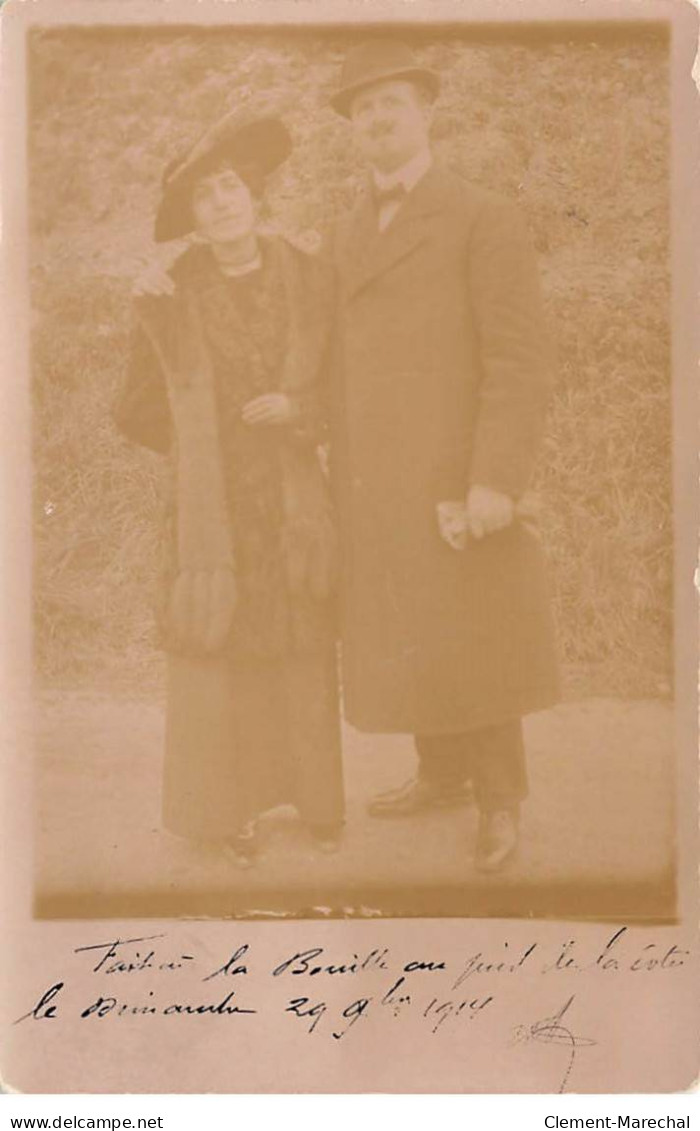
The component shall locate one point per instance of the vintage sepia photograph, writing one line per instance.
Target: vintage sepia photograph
(352, 470)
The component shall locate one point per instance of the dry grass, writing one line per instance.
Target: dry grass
(575, 129)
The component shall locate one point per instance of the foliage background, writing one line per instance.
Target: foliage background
(573, 126)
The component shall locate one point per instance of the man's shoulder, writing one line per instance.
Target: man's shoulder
(475, 201)
(449, 190)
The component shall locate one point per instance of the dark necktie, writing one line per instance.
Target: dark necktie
(392, 195)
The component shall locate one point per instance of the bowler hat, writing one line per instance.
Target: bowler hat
(379, 60)
(254, 146)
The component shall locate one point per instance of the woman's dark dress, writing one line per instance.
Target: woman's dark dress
(257, 725)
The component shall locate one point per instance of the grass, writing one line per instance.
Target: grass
(573, 127)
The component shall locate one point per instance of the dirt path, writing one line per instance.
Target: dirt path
(597, 837)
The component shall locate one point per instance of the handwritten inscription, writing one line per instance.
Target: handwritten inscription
(310, 962)
(552, 1031)
(323, 994)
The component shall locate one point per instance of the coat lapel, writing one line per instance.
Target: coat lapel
(369, 252)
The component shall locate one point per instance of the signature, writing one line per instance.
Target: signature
(551, 1031)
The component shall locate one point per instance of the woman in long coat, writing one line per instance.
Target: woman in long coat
(225, 376)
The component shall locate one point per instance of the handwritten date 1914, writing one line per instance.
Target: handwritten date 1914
(395, 1001)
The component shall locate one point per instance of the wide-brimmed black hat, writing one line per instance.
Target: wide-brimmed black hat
(379, 61)
(254, 146)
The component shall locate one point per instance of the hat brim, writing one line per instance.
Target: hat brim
(263, 144)
(342, 100)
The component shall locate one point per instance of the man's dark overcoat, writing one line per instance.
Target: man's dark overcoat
(442, 377)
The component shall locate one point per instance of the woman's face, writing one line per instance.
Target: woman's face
(223, 207)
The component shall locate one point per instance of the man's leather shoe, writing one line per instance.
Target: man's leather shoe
(417, 796)
(497, 839)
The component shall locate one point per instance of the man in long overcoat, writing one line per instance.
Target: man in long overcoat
(442, 378)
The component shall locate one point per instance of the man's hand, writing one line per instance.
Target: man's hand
(154, 282)
(271, 408)
(488, 511)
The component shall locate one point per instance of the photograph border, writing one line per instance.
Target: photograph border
(32, 941)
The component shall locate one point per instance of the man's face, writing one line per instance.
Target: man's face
(223, 207)
(391, 121)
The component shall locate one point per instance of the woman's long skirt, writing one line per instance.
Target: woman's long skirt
(244, 735)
